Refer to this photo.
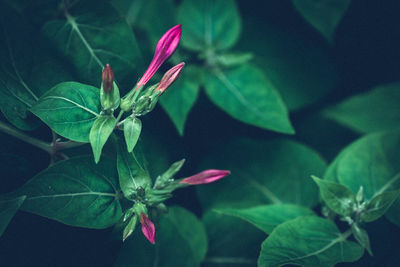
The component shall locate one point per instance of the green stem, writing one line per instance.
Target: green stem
(120, 115)
(5, 128)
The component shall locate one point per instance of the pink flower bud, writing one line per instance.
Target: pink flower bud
(108, 79)
(164, 49)
(205, 177)
(170, 77)
(148, 229)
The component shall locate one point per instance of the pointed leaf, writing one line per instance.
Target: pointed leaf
(308, 241)
(209, 24)
(75, 192)
(323, 15)
(101, 130)
(338, 197)
(378, 205)
(362, 237)
(70, 109)
(8, 208)
(132, 129)
(375, 110)
(245, 94)
(267, 217)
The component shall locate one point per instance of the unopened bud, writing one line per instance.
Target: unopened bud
(170, 77)
(108, 79)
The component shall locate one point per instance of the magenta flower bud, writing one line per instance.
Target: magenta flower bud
(108, 79)
(148, 229)
(170, 77)
(205, 177)
(164, 49)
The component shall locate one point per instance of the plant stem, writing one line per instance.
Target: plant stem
(5, 128)
(120, 115)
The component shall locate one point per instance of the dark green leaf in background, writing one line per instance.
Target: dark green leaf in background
(91, 36)
(101, 130)
(8, 208)
(76, 192)
(267, 217)
(70, 109)
(324, 15)
(375, 110)
(180, 241)
(261, 173)
(210, 24)
(245, 94)
(308, 241)
(179, 99)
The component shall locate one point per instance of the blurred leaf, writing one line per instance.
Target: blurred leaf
(300, 68)
(323, 15)
(101, 130)
(225, 233)
(179, 99)
(336, 196)
(90, 43)
(233, 59)
(267, 217)
(246, 95)
(131, 171)
(211, 24)
(8, 208)
(376, 110)
(261, 173)
(362, 237)
(181, 241)
(75, 192)
(308, 241)
(70, 109)
(379, 205)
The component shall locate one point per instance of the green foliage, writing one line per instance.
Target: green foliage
(375, 110)
(267, 217)
(101, 130)
(76, 192)
(179, 227)
(132, 130)
(8, 207)
(69, 109)
(308, 241)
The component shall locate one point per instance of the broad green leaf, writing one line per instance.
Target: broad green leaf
(101, 130)
(245, 94)
(323, 15)
(379, 205)
(225, 233)
(362, 237)
(308, 241)
(261, 173)
(132, 173)
(132, 130)
(70, 109)
(181, 241)
(75, 192)
(375, 110)
(91, 36)
(338, 197)
(300, 68)
(8, 208)
(267, 217)
(179, 99)
(211, 24)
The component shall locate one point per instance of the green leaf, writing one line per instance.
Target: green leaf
(233, 59)
(362, 237)
(90, 43)
(245, 94)
(378, 205)
(181, 241)
(75, 192)
(132, 129)
(323, 15)
(301, 69)
(131, 171)
(130, 227)
(261, 173)
(101, 130)
(70, 109)
(179, 99)
(211, 24)
(375, 110)
(267, 217)
(308, 241)
(8, 208)
(338, 197)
